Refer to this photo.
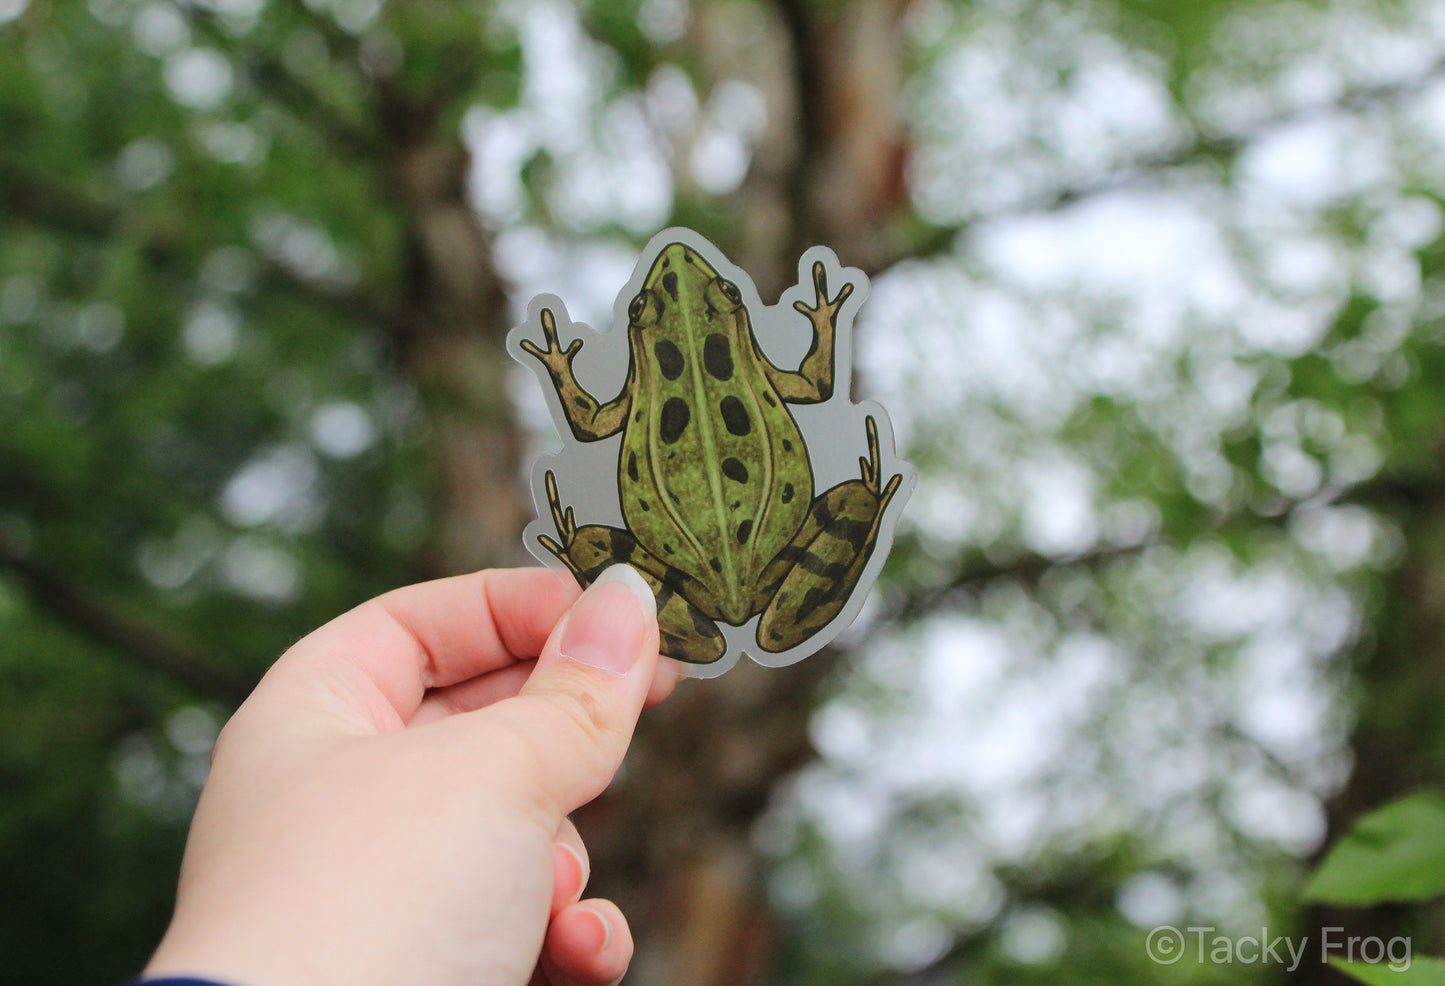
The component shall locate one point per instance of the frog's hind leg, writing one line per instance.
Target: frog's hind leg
(685, 632)
(816, 572)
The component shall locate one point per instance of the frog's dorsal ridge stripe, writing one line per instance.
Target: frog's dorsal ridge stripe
(718, 451)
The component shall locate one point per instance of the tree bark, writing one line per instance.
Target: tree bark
(452, 347)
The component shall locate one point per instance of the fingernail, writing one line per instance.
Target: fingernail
(605, 627)
(580, 877)
(606, 928)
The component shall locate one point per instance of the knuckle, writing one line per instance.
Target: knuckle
(593, 742)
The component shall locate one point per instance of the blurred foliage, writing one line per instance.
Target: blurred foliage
(1421, 972)
(1395, 854)
(209, 442)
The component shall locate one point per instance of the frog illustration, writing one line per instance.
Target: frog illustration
(714, 477)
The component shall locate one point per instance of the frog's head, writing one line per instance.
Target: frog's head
(681, 294)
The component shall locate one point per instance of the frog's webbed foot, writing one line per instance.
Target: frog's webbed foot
(871, 468)
(587, 419)
(824, 311)
(813, 576)
(557, 360)
(813, 381)
(566, 525)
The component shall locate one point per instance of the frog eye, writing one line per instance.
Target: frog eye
(724, 294)
(644, 309)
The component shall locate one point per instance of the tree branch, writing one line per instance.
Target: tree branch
(1205, 147)
(52, 205)
(973, 568)
(41, 200)
(336, 38)
(271, 75)
(139, 642)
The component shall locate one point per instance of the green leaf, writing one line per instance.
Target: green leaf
(1420, 972)
(1394, 854)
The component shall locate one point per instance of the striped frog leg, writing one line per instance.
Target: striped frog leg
(812, 577)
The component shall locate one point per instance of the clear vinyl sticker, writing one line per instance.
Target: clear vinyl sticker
(710, 442)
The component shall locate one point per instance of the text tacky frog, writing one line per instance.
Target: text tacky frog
(710, 490)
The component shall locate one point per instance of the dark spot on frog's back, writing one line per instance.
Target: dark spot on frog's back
(734, 469)
(669, 358)
(632, 466)
(744, 530)
(675, 416)
(716, 565)
(669, 283)
(735, 416)
(717, 356)
(787, 492)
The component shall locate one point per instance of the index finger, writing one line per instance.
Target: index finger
(434, 634)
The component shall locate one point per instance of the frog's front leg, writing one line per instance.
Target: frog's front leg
(685, 631)
(813, 382)
(815, 573)
(588, 419)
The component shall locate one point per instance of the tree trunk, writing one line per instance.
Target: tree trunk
(831, 165)
(671, 839)
(452, 346)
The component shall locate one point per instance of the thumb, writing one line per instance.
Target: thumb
(576, 713)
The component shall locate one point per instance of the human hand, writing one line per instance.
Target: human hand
(390, 804)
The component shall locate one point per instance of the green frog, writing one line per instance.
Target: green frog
(714, 478)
